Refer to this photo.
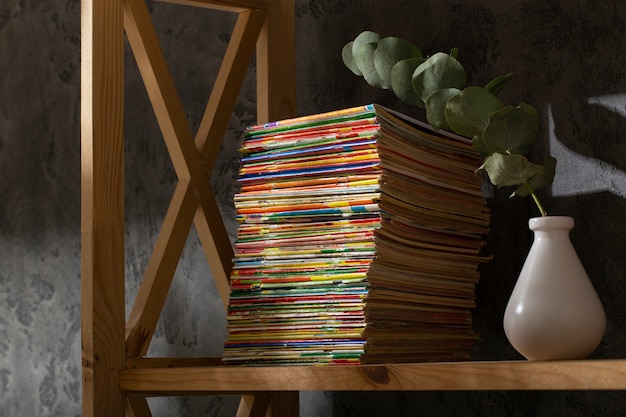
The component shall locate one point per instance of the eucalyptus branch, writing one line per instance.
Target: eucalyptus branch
(503, 134)
(536, 199)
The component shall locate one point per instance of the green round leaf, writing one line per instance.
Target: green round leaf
(438, 72)
(349, 51)
(348, 59)
(436, 106)
(505, 170)
(540, 180)
(389, 51)
(364, 38)
(401, 83)
(511, 129)
(468, 113)
(480, 145)
(497, 84)
(364, 58)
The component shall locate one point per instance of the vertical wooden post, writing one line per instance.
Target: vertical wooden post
(276, 63)
(102, 206)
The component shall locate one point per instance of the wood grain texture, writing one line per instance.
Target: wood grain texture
(158, 276)
(253, 405)
(507, 375)
(137, 407)
(223, 98)
(102, 206)
(276, 63)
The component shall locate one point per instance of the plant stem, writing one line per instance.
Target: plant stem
(536, 199)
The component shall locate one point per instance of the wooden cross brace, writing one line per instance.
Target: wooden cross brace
(193, 161)
(264, 26)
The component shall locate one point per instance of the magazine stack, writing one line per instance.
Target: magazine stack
(360, 236)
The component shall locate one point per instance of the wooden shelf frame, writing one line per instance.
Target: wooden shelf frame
(117, 377)
(266, 27)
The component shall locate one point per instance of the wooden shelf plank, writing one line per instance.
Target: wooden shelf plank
(506, 375)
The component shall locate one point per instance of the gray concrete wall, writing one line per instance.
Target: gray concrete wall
(569, 60)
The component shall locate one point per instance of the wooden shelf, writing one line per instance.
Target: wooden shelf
(508, 375)
(116, 375)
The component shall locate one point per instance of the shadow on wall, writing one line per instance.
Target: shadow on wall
(590, 147)
(591, 187)
(586, 122)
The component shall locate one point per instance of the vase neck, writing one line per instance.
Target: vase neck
(551, 223)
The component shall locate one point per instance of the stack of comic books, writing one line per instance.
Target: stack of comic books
(360, 237)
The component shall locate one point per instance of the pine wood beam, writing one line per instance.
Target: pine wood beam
(160, 270)
(137, 407)
(276, 63)
(102, 206)
(597, 374)
(253, 405)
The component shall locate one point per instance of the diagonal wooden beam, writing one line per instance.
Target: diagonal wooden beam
(227, 84)
(214, 124)
(157, 278)
(158, 81)
(137, 407)
(253, 405)
(185, 202)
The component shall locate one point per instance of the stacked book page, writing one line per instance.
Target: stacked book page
(361, 233)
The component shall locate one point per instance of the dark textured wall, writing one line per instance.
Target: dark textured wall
(568, 59)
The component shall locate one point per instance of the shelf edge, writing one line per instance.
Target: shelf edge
(507, 375)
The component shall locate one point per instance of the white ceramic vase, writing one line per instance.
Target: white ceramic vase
(554, 312)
